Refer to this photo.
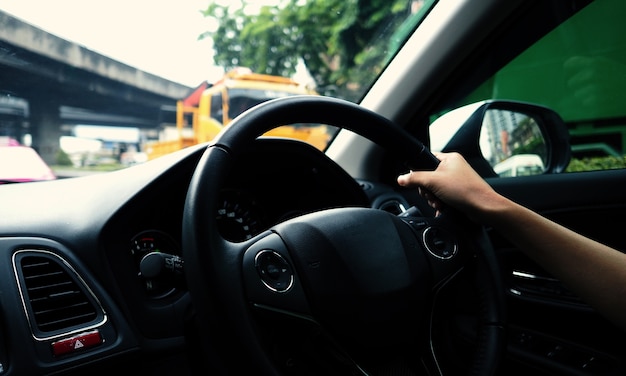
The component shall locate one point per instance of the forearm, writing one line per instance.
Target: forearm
(595, 272)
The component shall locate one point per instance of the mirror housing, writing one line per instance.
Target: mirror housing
(486, 133)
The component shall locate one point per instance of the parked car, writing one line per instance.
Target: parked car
(266, 256)
(520, 165)
(20, 164)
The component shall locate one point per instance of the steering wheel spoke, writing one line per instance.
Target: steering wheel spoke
(271, 281)
(444, 243)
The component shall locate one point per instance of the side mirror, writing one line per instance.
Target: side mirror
(505, 138)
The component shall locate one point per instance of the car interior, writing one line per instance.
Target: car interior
(254, 255)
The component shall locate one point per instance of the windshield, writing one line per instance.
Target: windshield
(243, 99)
(87, 100)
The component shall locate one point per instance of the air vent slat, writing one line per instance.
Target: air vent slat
(55, 299)
(43, 275)
(58, 286)
(64, 323)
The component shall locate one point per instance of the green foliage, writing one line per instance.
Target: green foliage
(535, 145)
(596, 163)
(332, 37)
(62, 159)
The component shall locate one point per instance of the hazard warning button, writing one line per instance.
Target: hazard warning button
(76, 343)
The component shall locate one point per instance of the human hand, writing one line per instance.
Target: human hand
(453, 183)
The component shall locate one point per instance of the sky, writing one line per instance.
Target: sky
(156, 36)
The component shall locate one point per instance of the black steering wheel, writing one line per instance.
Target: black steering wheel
(359, 282)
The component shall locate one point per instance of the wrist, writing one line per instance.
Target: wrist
(491, 208)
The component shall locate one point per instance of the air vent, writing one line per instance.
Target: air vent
(54, 297)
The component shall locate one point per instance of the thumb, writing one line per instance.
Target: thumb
(413, 178)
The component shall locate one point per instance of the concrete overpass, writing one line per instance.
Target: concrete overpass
(47, 83)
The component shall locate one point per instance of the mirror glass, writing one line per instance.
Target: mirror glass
(512, 143)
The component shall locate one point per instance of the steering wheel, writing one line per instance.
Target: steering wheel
(361, 281)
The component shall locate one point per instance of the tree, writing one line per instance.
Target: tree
(332, 37)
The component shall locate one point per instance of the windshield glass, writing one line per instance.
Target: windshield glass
(243, 99)
(87, 100)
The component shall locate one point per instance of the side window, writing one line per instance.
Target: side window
(578, 70)
(217, 111)
(241, 103)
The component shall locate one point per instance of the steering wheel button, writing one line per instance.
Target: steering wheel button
(439, 243)
(274, 270)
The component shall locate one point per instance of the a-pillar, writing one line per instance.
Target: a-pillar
(45, 128)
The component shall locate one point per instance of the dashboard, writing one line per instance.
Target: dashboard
(115, 242)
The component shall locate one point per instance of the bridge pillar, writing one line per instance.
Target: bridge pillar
(45, 127)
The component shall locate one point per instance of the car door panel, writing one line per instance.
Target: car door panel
(550, 330)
